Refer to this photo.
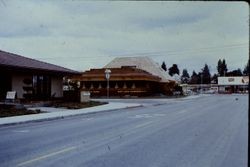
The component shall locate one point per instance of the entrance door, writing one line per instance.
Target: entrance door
(5, 85)
(42, 87)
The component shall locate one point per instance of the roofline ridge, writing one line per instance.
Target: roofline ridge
(28, 58)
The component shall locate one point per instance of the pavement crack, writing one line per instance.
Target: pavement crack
(109, 148)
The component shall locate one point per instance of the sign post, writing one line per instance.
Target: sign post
(107, 75)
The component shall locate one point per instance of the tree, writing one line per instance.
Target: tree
(173, 70)
(206, 76)
(214, 79)
(194, 78)
(246, 69)
(222, 67)
(219, 66)
(185, 76)
(237, 72)
(163, 66)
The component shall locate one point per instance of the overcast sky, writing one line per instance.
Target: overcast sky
(83, 34)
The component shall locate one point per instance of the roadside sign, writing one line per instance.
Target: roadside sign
(11, 95)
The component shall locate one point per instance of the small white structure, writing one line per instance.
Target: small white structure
(85, 96)
(238, 84)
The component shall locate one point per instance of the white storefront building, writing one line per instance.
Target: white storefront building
(239, 84)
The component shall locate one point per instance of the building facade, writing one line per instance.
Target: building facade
(29, 78)
(234, 84)
(127, 78)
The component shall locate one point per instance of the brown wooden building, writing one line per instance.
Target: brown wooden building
(123, 81)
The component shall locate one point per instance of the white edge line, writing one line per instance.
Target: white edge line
(47, 156)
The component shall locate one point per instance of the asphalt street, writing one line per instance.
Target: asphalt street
(209, 131)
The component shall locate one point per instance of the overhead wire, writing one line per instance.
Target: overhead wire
(157, 53)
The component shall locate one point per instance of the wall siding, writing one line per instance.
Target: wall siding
(17, 84)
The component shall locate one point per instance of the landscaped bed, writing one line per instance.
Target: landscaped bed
(9, 111)
(12, 110)
(76, 105)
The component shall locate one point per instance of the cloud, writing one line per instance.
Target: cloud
(82, 35)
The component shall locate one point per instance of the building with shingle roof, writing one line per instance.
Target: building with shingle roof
(14, 61)
(130, 76)
(31, 78)
(144, 63)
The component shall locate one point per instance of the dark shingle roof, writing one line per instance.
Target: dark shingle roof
(17, 61)
(118, 74)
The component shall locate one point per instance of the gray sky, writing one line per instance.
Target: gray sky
(83, 34)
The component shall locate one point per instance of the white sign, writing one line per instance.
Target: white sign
(86, 93)
(107, 73)
(11, 95)
(243, 80)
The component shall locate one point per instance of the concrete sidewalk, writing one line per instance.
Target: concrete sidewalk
(55, 113)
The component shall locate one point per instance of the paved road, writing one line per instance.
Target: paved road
(202, 132)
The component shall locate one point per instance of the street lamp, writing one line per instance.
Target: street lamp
(107, 75)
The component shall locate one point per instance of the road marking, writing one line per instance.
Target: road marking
(183, 111)
(147, 115)
(142, 116)
(21, 131)
(159, 115)
(144, 124)
(47, 156)
(87, 119)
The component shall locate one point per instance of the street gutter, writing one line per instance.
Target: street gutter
(112, 106)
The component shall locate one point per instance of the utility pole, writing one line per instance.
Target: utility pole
(201, 83)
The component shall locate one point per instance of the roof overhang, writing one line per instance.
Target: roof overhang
(28, 70)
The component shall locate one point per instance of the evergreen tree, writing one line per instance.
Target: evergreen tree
(163, 66)
(206, 76)
(173, 70)
(237, 72)
(185, 76)
(219, 66)
(194, 78)
(246, 69)
(214, 79)
(200, 78)
(222, 67)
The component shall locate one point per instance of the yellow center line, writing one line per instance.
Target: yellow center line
(47, 156)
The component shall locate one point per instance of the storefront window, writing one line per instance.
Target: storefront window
(41, 86)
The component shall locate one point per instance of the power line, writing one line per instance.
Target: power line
(158, 53)
(189, 50)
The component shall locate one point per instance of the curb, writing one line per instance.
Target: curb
(62, 117)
